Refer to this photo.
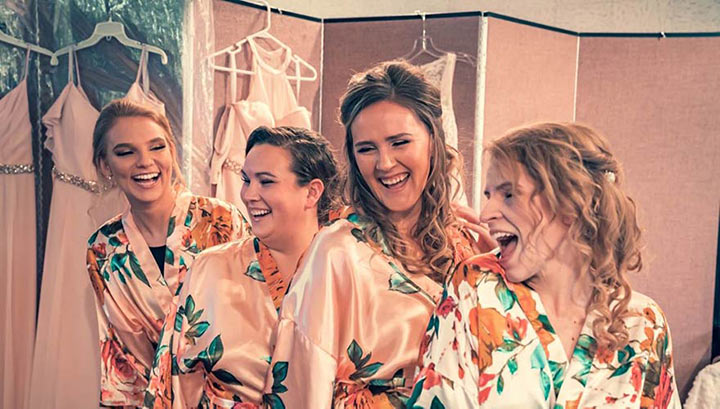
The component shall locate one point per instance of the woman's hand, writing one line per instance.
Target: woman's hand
(467, 216)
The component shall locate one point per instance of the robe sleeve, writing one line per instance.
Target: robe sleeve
(660, 389)
(122, 378)
(304, 363)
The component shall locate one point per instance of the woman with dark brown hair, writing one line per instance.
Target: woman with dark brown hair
(137, 260)
(551, 322)
(351, 325)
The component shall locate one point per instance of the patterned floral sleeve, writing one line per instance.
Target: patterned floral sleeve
(122, 378)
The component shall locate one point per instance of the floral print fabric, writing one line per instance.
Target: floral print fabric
(490, 344)
(351, 324)
(133, 297)
(215, 350)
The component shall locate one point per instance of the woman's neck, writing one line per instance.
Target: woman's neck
(152, 220)
(287, 254)
(564, 283)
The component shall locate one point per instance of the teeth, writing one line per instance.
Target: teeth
(502, 236)
(394, 180)
(146, 176)
(258, 213)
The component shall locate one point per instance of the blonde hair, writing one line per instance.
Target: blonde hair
(580, 179)
(124, 108)
(404, 84)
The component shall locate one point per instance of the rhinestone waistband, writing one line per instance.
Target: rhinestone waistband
(16, 169)
(233, 166)
(89, 185)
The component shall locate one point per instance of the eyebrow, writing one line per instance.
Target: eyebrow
(268, 174)
(388, 138)
(129, 145)
(502, 186)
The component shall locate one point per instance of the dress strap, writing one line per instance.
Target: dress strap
(142, 73)
(231, 94)
(72, 64)
(297, 79)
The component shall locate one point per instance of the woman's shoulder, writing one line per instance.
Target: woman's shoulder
(110, 228)
(206, 202)
(645, 312)
(474, 268)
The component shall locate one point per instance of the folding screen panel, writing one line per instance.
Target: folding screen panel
(657, 101)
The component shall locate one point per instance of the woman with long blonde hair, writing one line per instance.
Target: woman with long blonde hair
(550, 322)
(351, 324)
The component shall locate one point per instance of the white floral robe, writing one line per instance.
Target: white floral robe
(490, 345)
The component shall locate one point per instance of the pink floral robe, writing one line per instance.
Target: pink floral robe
(351, 324)
(132, 296)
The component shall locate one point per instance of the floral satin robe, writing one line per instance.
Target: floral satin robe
(215, 351)
(133, 298)
(351, 324)
(491, 345)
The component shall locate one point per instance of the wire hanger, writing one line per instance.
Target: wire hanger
(5, 38)
(109, 29)
(264, 34)
(424, 45)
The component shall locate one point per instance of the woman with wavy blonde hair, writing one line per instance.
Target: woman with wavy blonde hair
(550, 322)
(351, 325)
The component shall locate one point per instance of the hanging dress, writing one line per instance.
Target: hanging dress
(67, 353)
(17, 253)
(441, 72)
(270, 102)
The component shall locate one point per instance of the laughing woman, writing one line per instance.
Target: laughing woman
(137, 260)
(221, 338)
(552, 323)
(352, 322)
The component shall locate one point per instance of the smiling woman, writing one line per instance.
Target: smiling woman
(351, 325)
(137, 260)
(214, 352)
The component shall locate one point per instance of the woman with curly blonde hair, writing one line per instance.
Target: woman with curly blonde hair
(551, 321)
(352, 322)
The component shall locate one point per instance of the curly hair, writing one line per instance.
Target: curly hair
(312, 158)
(125, 108)
(574, 170)
(405, 85)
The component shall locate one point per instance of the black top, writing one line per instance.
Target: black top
(159, 256)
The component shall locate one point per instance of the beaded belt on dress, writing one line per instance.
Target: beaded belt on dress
(89, 185)
(16, 169)
(233, 166)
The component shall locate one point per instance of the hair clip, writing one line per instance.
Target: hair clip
(610, 176)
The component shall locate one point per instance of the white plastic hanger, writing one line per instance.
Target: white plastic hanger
(108, 29)
(22, 44)
(265, 35)
(424, 45)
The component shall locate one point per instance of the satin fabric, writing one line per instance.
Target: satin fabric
(491, 345)
(17, 252)
(220, 339)
(351, 324)
(133, 297)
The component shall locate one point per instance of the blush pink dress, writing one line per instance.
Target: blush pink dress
(17, 253)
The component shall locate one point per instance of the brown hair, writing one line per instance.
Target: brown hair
(124, 108)
(312, 158)
(575, 172)
(404, 84)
